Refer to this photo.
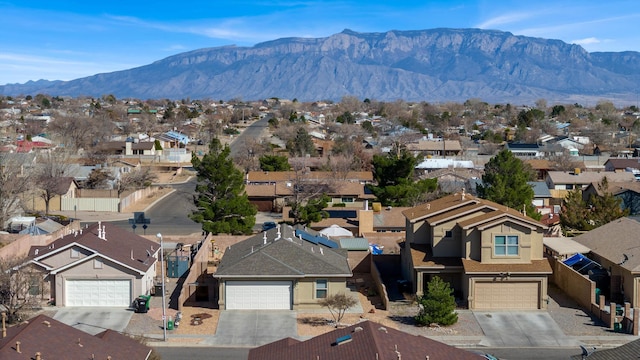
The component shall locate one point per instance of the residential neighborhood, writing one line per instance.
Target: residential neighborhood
(292, 205)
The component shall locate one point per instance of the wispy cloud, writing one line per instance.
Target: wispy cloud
(586, 41)
(498, 21)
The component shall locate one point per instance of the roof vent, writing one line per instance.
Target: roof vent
(343, 339)
(358, 328)
(382, 328)
(47, 323)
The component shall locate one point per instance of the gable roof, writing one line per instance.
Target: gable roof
(278, 252)
(587, 177)
(629, 350)
(365, 340)
(622, 163)
(616, 241)
(55, 340)
(456, 205)
(119, 246)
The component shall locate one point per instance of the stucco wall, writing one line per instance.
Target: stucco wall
(525, 248)
(64, 257)
(305, 292)
(577, 286)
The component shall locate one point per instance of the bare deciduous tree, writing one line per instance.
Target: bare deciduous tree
(53, 167)
(136, 179)
(15, 179)
(21, 287)
(338, 304)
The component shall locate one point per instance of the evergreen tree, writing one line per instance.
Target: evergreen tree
(274, 163)
(302, 144)
(222, 206)
(505, 182)
(312, 211)
(598, 210)
(438, 305)
(393, 174)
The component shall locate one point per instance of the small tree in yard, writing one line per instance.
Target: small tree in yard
(338, 304)
(438, 305)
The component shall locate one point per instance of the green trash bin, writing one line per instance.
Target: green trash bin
(170, 323)
(617, 327)
(146, 297)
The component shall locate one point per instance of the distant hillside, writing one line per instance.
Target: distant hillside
(429, 65)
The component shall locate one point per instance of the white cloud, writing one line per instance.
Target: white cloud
(504, 19)
(586, 41)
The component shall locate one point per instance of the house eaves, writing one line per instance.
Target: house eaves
(91, 257)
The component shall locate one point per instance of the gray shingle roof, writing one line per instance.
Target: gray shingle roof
(615, 240)
(281, 256)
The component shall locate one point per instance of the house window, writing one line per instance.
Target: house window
(321, 289)
(75, 253)
(569, 186)
(34, 285)
(448, 234)
(347, 199)
(506, 245)
(97, 264)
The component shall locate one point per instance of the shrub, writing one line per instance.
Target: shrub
(437, 305)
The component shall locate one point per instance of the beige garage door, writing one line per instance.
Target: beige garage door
(506, 295)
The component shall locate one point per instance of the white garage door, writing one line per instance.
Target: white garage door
(258, 295)
(98, 293)
(507, 295)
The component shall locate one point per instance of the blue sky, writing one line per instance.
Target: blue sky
(64, 40)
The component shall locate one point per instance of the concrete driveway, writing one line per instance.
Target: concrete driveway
(254, 327)
(94, 320)
(521, 329)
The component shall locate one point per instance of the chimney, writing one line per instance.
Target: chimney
(365, 222)
(18, 347)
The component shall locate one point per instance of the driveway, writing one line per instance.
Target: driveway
(521, 329)
(254, 327)
(94, 320)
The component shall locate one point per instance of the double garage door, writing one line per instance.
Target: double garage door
(113, 293)
(506, 295)
(258, 295)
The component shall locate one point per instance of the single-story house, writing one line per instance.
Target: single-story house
(615, 247)
(100, 265)
(281, 268)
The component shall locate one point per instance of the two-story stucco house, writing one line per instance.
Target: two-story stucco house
(490, 254)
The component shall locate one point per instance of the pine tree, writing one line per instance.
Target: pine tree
(222, 206)
(505, 182)
(394, 177)
(598, 210)
(438, 305)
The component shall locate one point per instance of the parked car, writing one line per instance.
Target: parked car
(268, 225)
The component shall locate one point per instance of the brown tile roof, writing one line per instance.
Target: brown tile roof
(614, 240)
(539, 164)
(588, 177)
(277, 176)
(55, 340)
(623, 163)
(456, 204)
(260, 190)
(367, 340)
(422, 257)
(535, 267)
(435, 145)
(119, 245)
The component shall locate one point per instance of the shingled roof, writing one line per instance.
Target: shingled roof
(366, 340)
(279, 253)
(55, 340)
(616, 241)
(112, 242)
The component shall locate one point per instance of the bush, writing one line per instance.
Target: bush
(438, 305)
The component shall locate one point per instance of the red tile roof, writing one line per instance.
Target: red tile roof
(55, 340)
(366, 340)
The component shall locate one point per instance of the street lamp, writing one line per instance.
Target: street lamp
(164, 313)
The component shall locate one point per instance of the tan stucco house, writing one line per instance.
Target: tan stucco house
(490, 254)
(101, 265)
(283, 268)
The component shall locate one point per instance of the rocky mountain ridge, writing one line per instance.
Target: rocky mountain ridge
(422, 65)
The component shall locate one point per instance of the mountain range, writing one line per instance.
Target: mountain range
(422, 65)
